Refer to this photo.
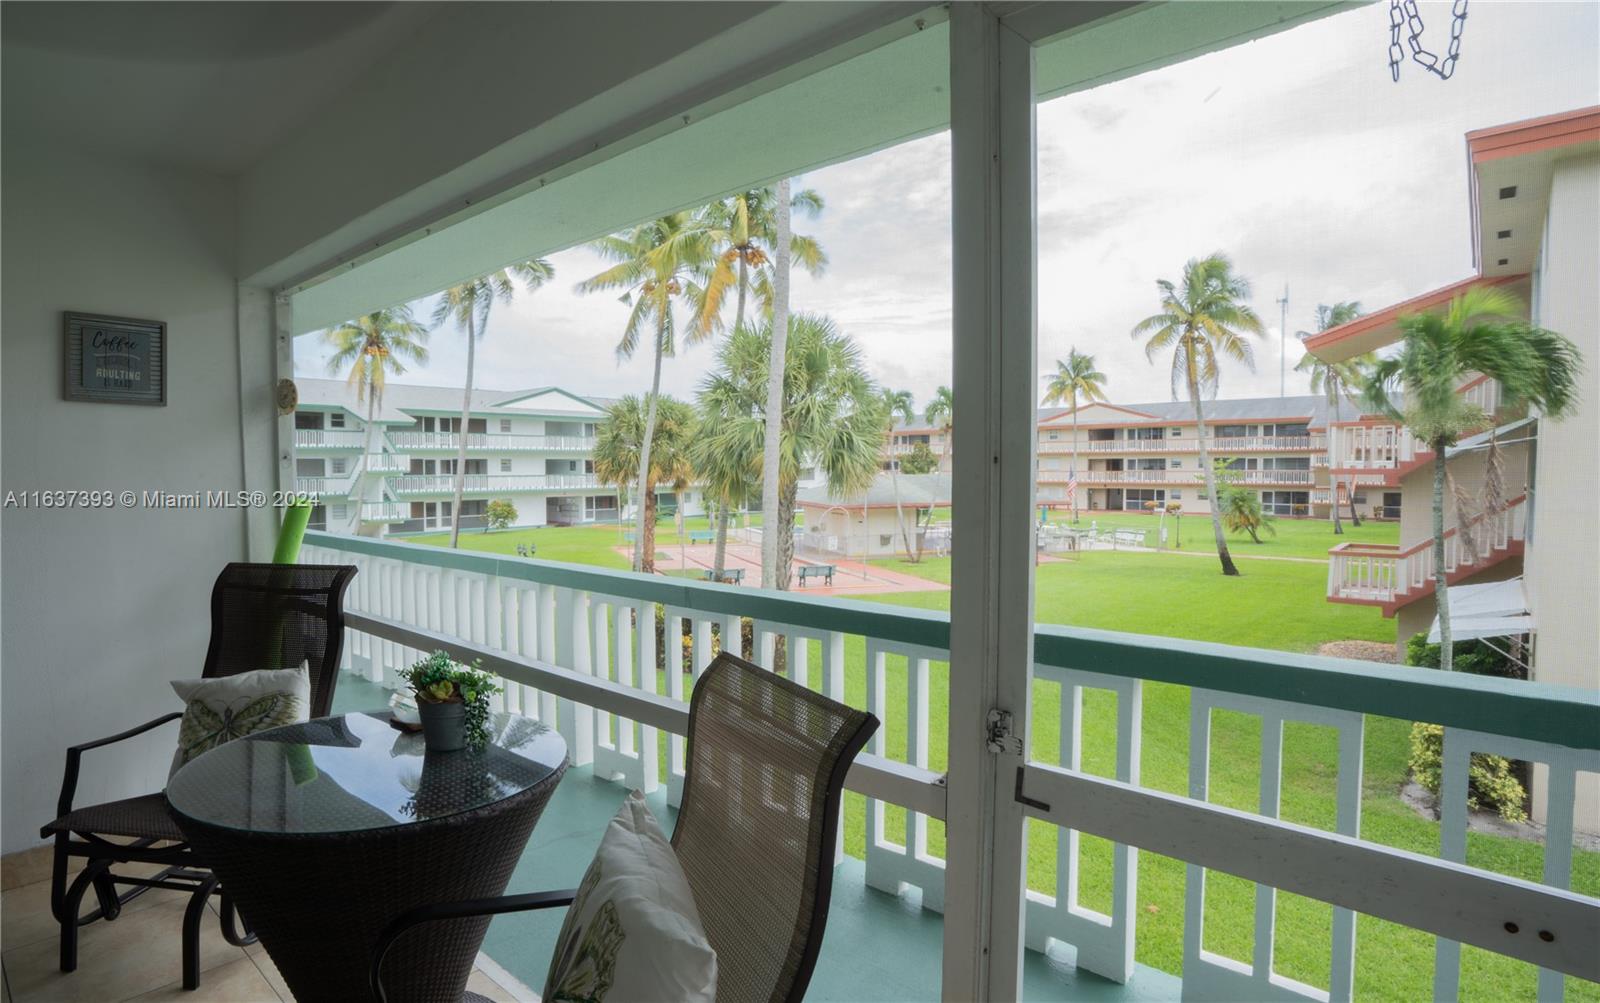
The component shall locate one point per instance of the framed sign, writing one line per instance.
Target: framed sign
(114, 359)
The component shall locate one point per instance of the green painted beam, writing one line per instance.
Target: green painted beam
(1540, 712)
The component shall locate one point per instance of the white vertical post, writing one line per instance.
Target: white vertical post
(991, 631)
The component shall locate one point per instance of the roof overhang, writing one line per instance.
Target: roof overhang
(1490, 609)
(1509, 171)
(1373, 331)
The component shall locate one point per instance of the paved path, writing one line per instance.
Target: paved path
(850, 578)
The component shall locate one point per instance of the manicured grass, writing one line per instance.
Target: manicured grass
(593, 545)
(1274, 604)
(1294, 537)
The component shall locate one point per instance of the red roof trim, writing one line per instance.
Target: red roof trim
(1388, 315)
(1532, 135)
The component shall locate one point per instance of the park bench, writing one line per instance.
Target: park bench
(702, 536)
(526, 550)
(822, 571)
(1128, 537)
(730, 576)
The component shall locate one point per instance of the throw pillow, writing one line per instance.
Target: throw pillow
(633, 932)
(228, 707)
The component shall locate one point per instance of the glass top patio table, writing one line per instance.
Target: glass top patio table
(355, 772)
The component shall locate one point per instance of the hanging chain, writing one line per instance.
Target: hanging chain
(1403, 14)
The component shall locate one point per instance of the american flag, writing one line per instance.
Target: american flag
(1072, 487)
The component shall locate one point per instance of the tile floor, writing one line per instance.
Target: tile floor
(137, 957)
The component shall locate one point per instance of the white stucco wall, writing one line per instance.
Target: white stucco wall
(102, 607)
(1564, 554)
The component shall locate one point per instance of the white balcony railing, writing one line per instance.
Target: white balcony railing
(1391, 576)
(384, 512)
(477, 484)
(387, 463)
(493, 442)
(577, 648)
(1175, 477)
(331, 486)
(1230, 444)
(329, 438)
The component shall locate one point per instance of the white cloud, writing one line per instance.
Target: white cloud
(1295, 154)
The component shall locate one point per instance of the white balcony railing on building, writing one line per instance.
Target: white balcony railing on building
(1389, 575)
(1229, 444)
(388, 463)
(477, 484)
(577, 648)
(331, 486)
(329, 438)
(1175, 477)
(493, 442)
(384, 512)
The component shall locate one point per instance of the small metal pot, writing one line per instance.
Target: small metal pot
(444, 725)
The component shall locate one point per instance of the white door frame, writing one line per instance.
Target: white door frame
(991, 630)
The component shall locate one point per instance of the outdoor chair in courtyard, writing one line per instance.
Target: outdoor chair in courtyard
(288, 614)
(755, 834)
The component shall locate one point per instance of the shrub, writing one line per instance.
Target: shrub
(1469, 656)
(1491, 782)
(499, 514)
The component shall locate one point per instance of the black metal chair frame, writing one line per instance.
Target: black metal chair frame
(813, 930)
(183, 872)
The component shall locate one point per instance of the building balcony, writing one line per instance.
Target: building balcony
(493, 442)
(575, 648)
(1220, 446)
(492, 484)
(329, 438)
(1394, 576)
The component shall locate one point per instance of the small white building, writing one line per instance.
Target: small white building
(880, 522)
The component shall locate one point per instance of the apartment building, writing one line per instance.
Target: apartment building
(1535, 224)
(391, 470)
(1132, 456)
(906, 436)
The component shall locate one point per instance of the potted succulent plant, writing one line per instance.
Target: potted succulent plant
(452, 701)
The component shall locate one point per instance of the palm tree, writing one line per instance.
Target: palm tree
(1338, 380)
(1205, 318)
(468, 305)
(656, 263)
(1242, 512)
(1074, 378)
(897, 403)
(940, 414)
(620, 446)
(729, 479)
(744, 227)
(1478, 333)
(831, 415)
(372, 346)
(774, 563)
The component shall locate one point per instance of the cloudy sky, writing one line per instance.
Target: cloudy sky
(1295, 155)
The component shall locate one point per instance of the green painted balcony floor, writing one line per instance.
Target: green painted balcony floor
(878, 946)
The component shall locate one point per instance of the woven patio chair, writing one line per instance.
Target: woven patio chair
(755, 834)
(293, 609)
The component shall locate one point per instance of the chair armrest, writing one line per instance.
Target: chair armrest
(69, 779)
(436, 911)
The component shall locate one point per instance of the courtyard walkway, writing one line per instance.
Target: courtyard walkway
(850, 578)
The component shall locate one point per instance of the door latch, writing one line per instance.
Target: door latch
(1003, 739)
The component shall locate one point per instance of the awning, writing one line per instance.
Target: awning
(1492, 609)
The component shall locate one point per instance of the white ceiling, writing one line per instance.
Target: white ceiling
(205, 86)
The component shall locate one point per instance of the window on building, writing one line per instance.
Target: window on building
(336, 419)
(1232, 431)
(1175, 463)
(340, 513)
(1102, 434)
(505, 424)
(505, 466)
(476, 426)
(1177, 495)
(1292, 429)
(1286, 502)
(338, 464)
(308, 419)
(1147, 434)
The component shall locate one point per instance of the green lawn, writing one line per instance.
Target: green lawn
(1294, 537)
(594, 545)
(1273, 604)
